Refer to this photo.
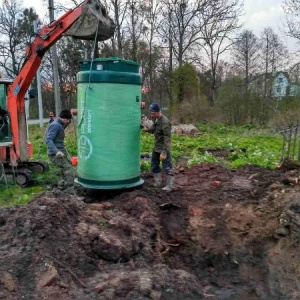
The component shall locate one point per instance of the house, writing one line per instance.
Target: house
(278, 84)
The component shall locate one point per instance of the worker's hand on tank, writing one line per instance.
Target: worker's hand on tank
(145, 128)
(163, 155)
(59, 154)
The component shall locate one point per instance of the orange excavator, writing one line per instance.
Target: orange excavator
(88, 21)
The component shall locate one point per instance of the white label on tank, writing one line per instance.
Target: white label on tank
(81, 117)
(85, 148)
(99, 67)
(89, 121)
(82, 126)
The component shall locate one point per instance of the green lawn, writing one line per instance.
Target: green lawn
(246, 145)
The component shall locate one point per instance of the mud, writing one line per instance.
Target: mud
(221, 234)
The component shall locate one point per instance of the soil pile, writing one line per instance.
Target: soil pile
(221, 234)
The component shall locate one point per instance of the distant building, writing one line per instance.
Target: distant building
(278, 84)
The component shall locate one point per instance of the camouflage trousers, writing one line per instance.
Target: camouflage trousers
(66, 170)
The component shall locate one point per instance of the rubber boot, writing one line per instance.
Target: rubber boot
(170, 183)
(157, 179)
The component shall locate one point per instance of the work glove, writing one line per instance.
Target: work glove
(163, 155)
(144, 128)
(59, 154)
(146, 123)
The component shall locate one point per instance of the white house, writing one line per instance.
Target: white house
(278, 84)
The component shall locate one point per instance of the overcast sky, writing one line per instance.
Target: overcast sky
(263, 13)
(258, 14)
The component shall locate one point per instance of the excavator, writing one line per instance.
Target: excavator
(87, 21)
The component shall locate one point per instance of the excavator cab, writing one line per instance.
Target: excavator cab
(5, 131)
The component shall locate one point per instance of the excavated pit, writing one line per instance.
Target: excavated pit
(220, 234)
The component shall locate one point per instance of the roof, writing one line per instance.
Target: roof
(6, 80)
(271, 75)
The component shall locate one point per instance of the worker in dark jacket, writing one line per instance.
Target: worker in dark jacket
(56, 150)
(161, 128)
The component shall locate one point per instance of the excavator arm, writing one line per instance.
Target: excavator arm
(87, 21)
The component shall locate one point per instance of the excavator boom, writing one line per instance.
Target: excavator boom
(88, 20)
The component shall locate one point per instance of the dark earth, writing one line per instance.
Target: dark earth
(221, 234)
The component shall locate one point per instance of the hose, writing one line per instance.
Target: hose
(2, 171)
(89, 86)
(75, 129)
(68, 155)
(43, 140)
(3, 175)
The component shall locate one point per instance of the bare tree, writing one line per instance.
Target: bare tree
(273, 51)
(134, 27)
(273, 57)
(180, 31)
(118, 10)
(181, 24)
(292, 10)
(152, 9)
(246, 54)
(220, 20)
(15, 31)
(165, 32)
(294, 73)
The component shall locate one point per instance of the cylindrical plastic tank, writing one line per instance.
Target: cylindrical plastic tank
(108, 120)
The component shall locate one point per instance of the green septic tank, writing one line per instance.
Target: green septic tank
(108, 120)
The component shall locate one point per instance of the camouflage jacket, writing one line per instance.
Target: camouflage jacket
(161, 129)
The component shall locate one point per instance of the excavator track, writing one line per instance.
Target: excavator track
(36, 166)
(19, 176)
(23, 173)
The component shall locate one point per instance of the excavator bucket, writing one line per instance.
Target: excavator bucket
(93, 23)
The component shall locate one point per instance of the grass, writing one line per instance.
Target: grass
(15, 195)
(246, 145)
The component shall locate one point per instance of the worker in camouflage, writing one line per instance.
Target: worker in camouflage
(161, 128)
(57, 151)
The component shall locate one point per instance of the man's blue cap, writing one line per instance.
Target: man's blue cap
(154, 107)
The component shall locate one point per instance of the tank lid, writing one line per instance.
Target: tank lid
(109, 64)
(117, 59)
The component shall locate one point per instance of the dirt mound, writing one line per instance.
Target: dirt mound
(221, 234)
